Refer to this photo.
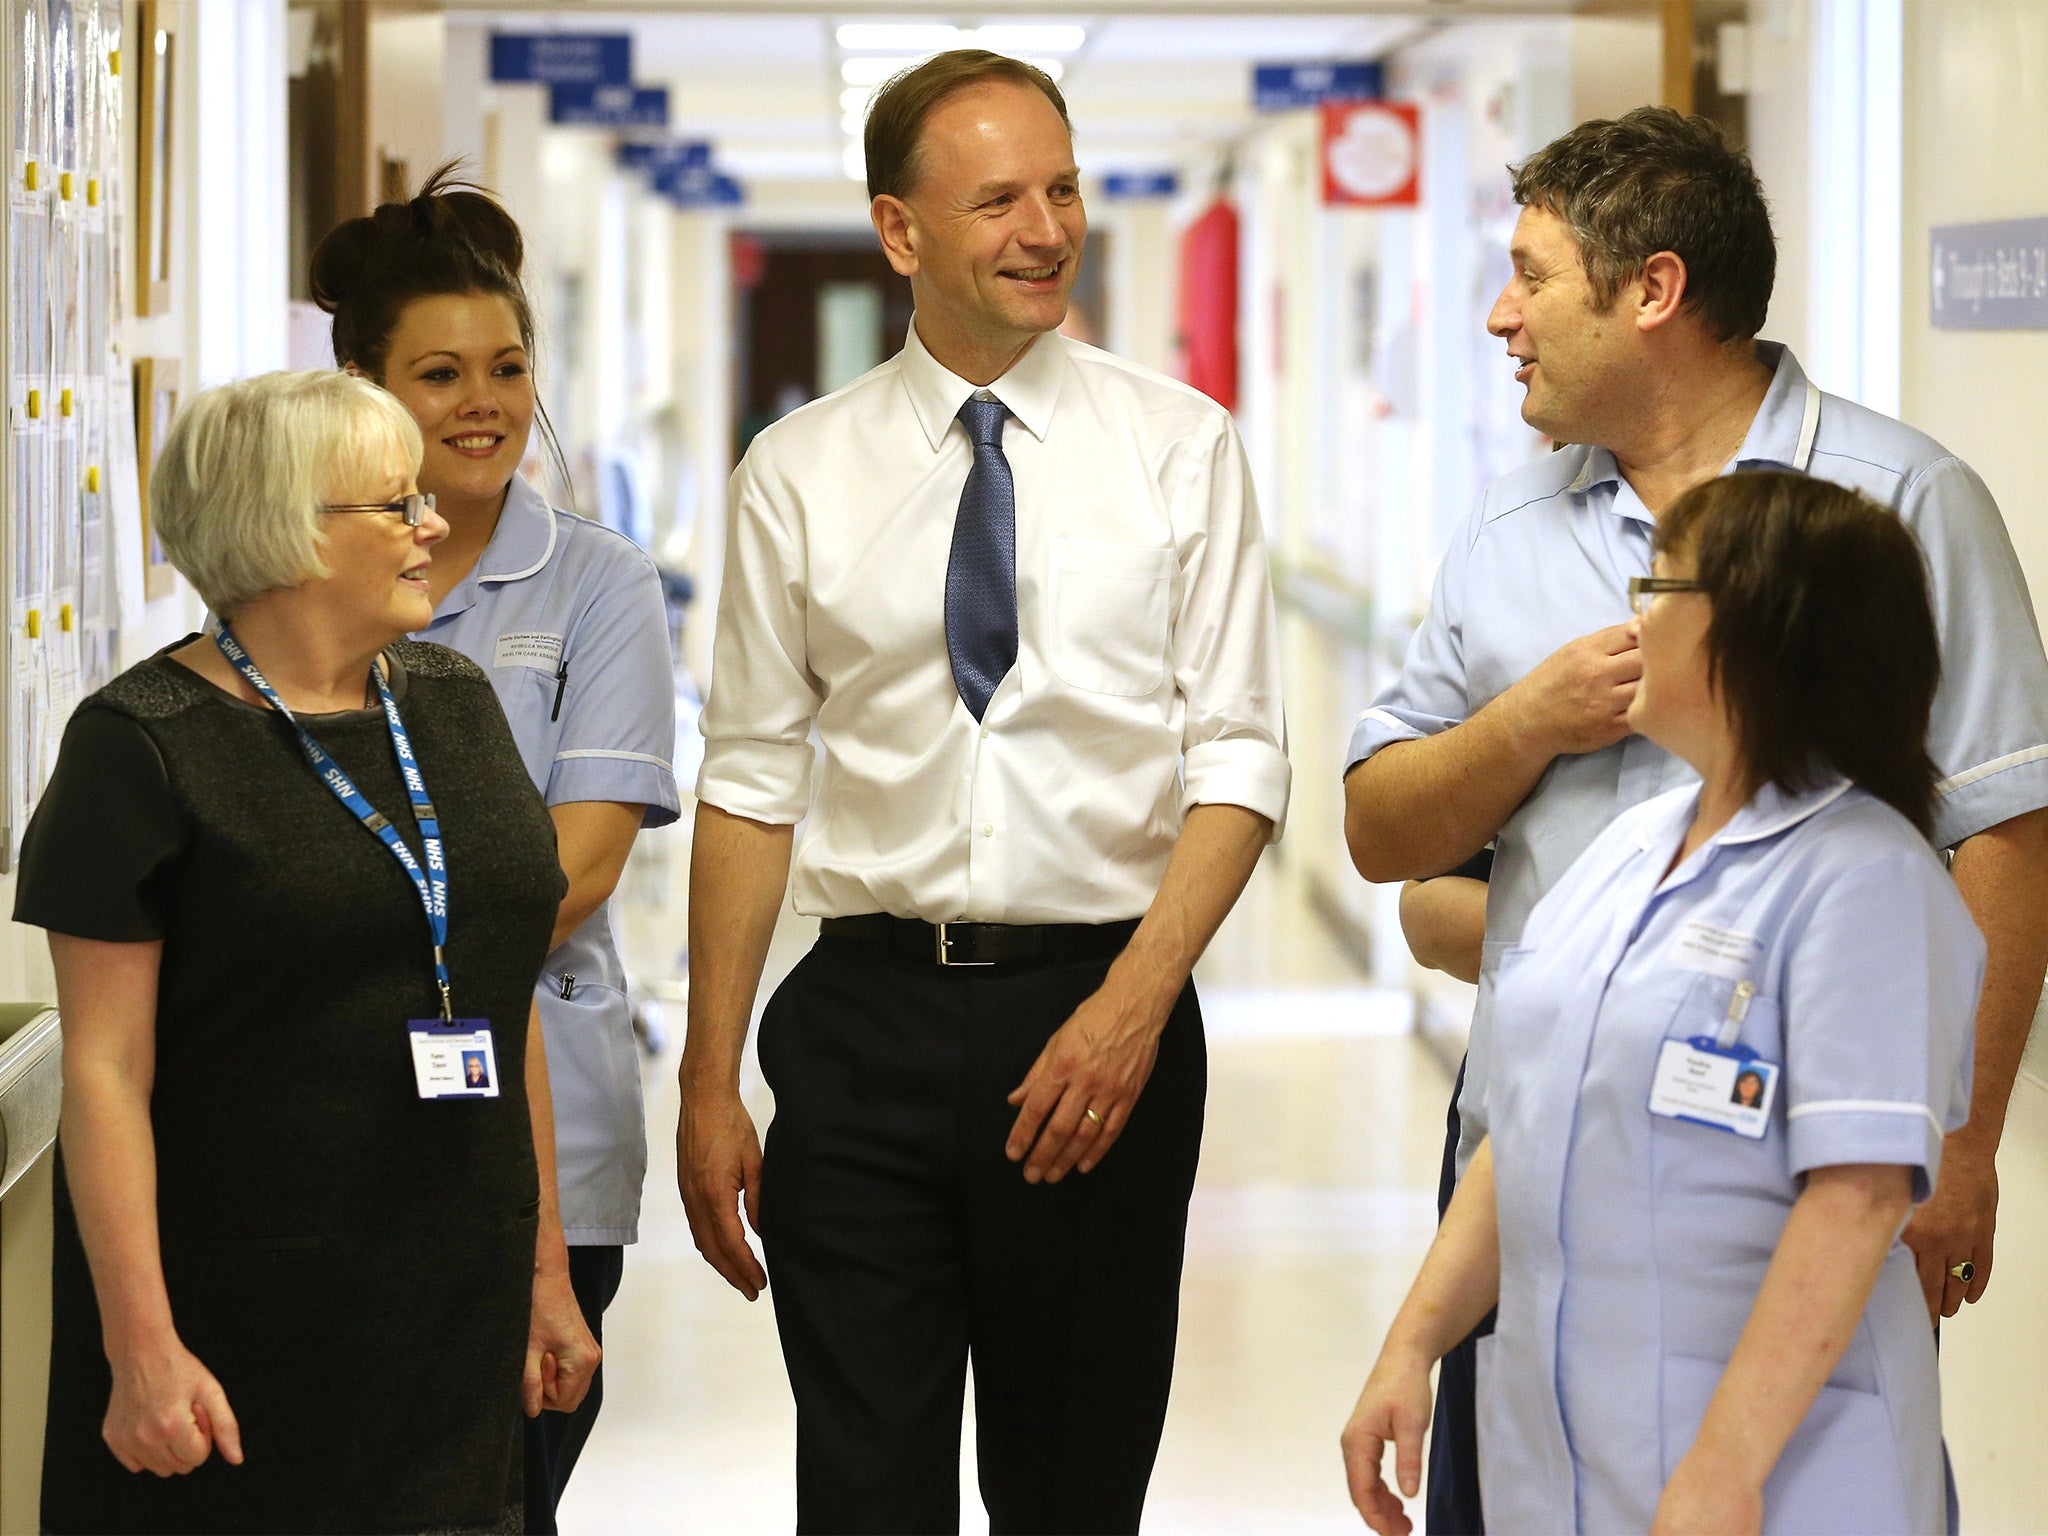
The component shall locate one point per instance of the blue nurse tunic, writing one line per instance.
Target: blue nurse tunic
(567, 618)
(1633, 1245)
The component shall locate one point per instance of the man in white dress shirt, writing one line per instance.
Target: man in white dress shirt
(1018, 590)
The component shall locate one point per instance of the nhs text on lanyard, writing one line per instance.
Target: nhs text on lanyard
(451, 1058)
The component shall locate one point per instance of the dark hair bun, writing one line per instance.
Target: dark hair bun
(453, 237)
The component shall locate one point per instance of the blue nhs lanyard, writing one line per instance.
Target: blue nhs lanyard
(432, 882)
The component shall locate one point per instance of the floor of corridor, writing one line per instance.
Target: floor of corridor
(1313, 1206)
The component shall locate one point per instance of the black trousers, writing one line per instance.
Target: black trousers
(1453, 1492)
(900, 1241)
(555, 1440)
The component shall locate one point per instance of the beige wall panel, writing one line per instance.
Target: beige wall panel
(1976, 98)
(1976, 103)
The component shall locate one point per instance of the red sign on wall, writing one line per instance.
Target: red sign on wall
(1372, 154)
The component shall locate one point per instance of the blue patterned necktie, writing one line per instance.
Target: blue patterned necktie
(981, 573)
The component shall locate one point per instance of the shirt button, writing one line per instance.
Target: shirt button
(984, 733)
(988, 829)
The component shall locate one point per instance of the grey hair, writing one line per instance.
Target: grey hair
(236, 493)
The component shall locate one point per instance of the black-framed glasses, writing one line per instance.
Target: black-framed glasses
(1642, 588)
(409, 508)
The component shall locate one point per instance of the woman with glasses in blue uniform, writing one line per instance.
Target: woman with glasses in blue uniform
(1729, 1046)
(568, 620)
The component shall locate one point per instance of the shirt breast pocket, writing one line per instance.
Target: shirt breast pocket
(1111, 610)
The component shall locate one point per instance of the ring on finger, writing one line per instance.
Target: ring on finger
(1965, 1271)
(1092, 1116)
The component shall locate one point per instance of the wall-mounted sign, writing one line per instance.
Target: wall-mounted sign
(1137, 184)
(562, 58)
(609, 106)
(1990, 277)
(1290, 87)
(1372, 154)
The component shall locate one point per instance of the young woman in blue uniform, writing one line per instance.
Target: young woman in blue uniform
(1707, 1321)
(567, 619)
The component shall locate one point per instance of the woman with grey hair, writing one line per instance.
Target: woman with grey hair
(295, 877)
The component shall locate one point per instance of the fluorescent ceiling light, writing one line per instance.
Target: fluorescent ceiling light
(872, 71)
(898, 37)
(854, 161)
(855, 98)
(1059, 38)
(853, 124)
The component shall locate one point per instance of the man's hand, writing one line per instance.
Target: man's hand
(1955, 1224)
(718, 1168)
(1099, 1060)
(1577, 698)
(561, 1354)
(1392, 1410)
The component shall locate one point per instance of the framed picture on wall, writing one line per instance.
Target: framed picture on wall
(156, 403)
(156, 97)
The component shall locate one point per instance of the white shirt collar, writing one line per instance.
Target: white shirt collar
(1029, 389)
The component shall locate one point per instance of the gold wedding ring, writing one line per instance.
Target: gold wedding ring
(1092, 1116)
(1965, 1271)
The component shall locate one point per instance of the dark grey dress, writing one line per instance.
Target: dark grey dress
(353, 1263)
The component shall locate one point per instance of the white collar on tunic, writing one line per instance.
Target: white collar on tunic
(1029, 389)
(1770, 811)
(521, 546)
(1773, 437)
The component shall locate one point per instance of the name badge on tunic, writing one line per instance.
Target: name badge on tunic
(1715, 1079)
(453, 1058)
(1708, 947)
(528, 648)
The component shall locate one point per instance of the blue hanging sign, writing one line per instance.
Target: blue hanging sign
(1290, 87)
(698, 186)
(656, 158)
(609, 106)
(1136, 184)
(562, 58)
(1990, 277)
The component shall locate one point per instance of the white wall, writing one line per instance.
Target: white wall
(1976, 104)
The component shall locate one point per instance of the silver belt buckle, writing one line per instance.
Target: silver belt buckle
(943, 941)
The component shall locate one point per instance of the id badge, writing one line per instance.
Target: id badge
(1708, 1083)
(453, 1058)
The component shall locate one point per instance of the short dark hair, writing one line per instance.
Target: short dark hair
(1822, 644)
(890, 141)
(1653, 181)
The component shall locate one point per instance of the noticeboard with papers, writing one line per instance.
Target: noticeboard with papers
(69, 450)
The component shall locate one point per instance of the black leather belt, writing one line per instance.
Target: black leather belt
(981, 943)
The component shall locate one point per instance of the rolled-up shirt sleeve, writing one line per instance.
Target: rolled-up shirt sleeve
(1989, 731)
(757, 720)
(1880, 1003)
(618, 705)
(1429, 694)
(1226, 645)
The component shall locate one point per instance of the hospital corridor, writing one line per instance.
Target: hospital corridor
(1413, 622)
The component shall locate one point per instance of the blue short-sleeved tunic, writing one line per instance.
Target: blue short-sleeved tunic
(1633, 1245)
(567, 617)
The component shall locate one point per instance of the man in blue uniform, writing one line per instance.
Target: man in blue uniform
(1643, 262)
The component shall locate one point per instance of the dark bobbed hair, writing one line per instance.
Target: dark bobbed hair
(1653, 180)
(1822, 644)
(890, 139)
(452, 237)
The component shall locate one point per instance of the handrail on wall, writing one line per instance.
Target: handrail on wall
(31, 1086)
